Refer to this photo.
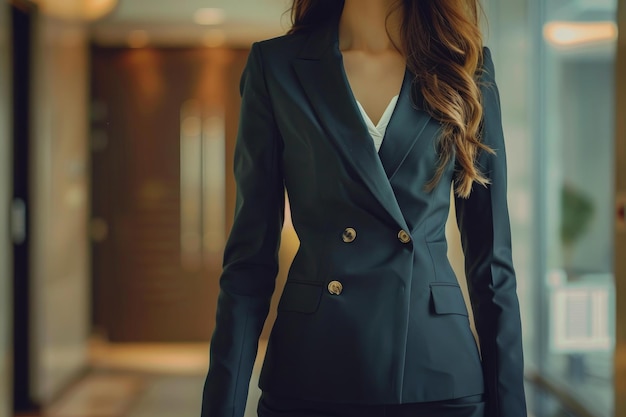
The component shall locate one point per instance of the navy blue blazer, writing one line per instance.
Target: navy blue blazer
(372, 312)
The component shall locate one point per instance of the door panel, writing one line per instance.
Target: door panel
(163, 124)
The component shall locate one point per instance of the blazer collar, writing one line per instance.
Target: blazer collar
(319, 67)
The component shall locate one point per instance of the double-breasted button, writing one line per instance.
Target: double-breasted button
(335, 287)
(349, 235)
(403, 236)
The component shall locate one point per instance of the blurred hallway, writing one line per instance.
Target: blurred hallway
(117, 127)
(141, 380)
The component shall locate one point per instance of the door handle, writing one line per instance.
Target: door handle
(620, 211)
(98, 229)
(18, 221)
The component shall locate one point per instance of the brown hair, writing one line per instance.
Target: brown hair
(442, 43)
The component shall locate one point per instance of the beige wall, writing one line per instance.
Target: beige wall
(59, 193)
(5, 196)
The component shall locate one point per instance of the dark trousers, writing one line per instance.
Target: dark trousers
(276, 406)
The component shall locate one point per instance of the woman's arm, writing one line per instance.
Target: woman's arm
(486, 237)
(251, 254)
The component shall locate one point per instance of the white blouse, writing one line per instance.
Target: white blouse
(378, 132)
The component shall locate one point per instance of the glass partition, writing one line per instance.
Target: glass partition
(575, 198)
(555, 70)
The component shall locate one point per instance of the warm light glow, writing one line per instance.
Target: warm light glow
(209, 16)
(579, 33)
(76, 9)
(138, 39)
(214, 38)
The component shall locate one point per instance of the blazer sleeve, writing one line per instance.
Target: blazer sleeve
(251, 254)
(486, 239)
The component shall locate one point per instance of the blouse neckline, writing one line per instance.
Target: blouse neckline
(377, 132)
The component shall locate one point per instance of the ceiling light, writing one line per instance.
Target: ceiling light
(209, 16)
(77, 9)
(564, 34)
(138, 39)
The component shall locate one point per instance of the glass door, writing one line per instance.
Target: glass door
(620, 216)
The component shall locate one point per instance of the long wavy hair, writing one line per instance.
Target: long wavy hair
(443, 47)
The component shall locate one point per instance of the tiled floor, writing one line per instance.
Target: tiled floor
(152, 380)
(144, 380)
(100, 394)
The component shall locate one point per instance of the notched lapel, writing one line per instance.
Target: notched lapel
(320, 71)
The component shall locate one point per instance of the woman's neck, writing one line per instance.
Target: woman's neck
(364, 26)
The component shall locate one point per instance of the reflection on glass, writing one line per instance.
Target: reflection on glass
(202, 182)
(578, 132)
(581, 321)
(579, 33)
(213, 144)
(191, 185)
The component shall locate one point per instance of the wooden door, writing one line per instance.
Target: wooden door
(163, 126)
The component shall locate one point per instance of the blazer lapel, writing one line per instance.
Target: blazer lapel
(321, 73)
(407, 124)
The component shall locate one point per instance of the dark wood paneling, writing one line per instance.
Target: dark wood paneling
(142, 293)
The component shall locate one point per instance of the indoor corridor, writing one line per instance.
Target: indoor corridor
(142, 380)
(118, 122)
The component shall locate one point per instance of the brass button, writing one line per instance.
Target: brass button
(349, 235)
(403, 236)
(335, 287)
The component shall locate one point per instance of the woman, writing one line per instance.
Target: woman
(371, 321)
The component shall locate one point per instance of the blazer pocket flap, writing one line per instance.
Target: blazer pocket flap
(448, 299)
(301, 297)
